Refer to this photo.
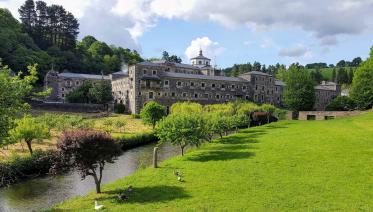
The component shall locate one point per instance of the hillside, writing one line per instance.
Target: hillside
(289, 165)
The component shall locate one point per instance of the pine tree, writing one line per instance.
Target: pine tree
(28, 16)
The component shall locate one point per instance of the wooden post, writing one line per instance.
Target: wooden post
(155, 157)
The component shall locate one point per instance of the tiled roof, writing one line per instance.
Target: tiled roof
(200, 57)
(256, 73)
(164, 63)
(201, 76)
(83, 76)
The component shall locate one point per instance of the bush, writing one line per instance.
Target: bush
(131, 141)
(119, 108)
(341, 103)
(21, 168)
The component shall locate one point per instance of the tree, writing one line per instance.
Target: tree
(182, 130)
(29, 129)
(186, 107)
(341, 64)
(80, 94)
(299, 91)
(317, 76)
(152, 112)
(101, 93)
(13, 91)
(341, 103)
(87, 152)
(28, 15)
(172, 58)
(334, 75)
(120, 125)
(357, 61)
(362, 84)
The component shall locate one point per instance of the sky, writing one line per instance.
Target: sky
(229, 32)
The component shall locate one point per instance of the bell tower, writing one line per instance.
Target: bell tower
(201, 61)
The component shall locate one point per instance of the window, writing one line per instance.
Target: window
(145, 72)
(256, 97)
(276, 89)
(173, 94)
(222, 86)
(159, 93)
(262, 97)
(165, 94)
(247, 97)
(179, 84)
(184, 95)
(68, 83)
(151, 95)
(77, 83)
(192, 84)
(62, 89)
(63, 95)
(217, 96)
(166, 83)
(213, 85)
(203, 85)
(196, 95)
(206, 95)
(200, 62)
(154, 72)
(139, 93)
(227, 96)
(262, 88)
(232, 86)
(243, 87)
(256, 87)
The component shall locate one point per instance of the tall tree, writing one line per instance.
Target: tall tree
(28, 15)
(299, 91)
(151, 113)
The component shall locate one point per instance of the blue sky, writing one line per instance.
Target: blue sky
(235, 31)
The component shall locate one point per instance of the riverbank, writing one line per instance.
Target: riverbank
(289, 165)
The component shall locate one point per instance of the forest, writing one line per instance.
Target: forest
(48, 36)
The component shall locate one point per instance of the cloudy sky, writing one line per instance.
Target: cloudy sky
(234, 31)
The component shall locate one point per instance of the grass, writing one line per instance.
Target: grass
(133, 126)
(285, 166)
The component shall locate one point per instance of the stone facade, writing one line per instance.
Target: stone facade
(168, 83)
(64, 83)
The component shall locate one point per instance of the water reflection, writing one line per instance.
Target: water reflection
(42, 193)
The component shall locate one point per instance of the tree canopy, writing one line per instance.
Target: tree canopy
(152, 112)
(299, 91)
(362, 85)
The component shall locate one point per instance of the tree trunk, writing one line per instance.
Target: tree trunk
(221, 135)
(97, 182)
(182, 150)
(28, 142)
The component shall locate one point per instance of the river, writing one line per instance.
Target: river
(42, 193)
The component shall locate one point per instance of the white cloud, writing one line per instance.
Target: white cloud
(210, 48)
(295, 52)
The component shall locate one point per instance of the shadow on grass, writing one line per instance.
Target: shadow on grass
(149, 194)
(220, 156)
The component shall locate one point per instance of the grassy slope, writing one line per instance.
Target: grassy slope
(327, 73)
(320, 165)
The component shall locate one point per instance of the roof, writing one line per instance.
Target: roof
(322, 87)
(257, 73)
(164, 63)
(201, 76)
(120, 73)
(83, 76)
(280, 83)
(150, 77)
(200, 56)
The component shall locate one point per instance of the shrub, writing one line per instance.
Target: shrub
(341, 103)
(131, 141)
(20, 168)
(152, 112)
(119, 108)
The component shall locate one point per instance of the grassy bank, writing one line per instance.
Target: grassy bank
(290, 165)
(132, 128)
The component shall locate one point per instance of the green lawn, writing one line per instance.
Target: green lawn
(285, 166)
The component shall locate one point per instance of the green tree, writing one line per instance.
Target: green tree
(181, 130)
(28, 129)
(120, 124)
(101, 93)
(152, 112)
(299, 91)
(186, 107)
(362, 84)
(13, 91)
(341, 103)
(80, 94)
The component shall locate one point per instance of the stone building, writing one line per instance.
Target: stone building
(168, 83)
(63, 83)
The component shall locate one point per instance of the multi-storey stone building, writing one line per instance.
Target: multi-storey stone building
(168, 83)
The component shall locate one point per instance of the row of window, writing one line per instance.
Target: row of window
(151, 95)
(263, 79)
(154, 72)
(180, 84)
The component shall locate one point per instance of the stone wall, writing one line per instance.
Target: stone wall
(71, 107)
(325, 115)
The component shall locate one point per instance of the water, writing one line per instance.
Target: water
(42, 193)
